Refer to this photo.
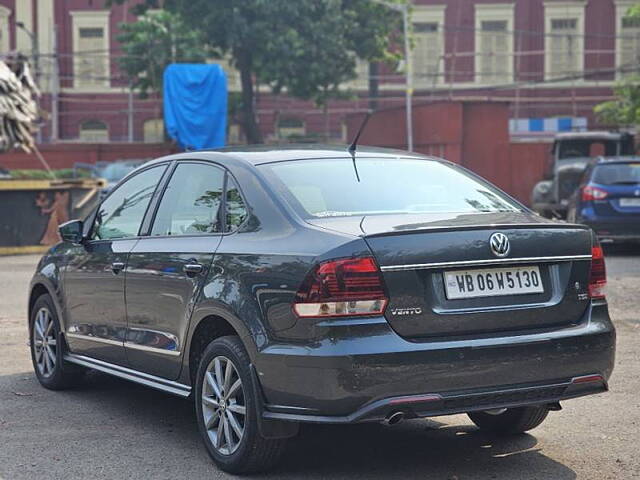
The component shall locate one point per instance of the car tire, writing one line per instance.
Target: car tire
(511, 421)
(48, 347)
(225, 407)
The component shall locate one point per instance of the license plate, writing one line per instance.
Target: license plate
(492, 282)
(630, 202)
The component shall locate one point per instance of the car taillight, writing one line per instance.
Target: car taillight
(345, 287)
(598, 274)
(593, 193)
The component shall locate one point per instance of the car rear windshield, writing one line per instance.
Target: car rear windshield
(342, 187)
(617, 174)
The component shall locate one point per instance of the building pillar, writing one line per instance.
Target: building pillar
(24, 14)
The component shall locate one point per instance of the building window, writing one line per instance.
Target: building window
(361, 82)
(153, 130)
(428, 46)
(564, 40)
(94, 131)
(234, 134)
(91, 49)
(291, 127)
(628, 41)
(234, 83)
(4, 29)
(494, 43)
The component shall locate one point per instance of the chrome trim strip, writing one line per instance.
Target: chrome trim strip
(491, 261)
(146, 348)
(91, 338)
(130, 374)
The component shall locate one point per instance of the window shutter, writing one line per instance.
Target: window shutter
(494, 52)
(630, 45)
(91, 70)
(426, 54)
(565, 47)
(501, 57)
(486, 62)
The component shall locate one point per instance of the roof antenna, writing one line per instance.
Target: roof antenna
(354, 144)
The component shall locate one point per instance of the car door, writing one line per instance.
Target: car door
(167, 268)
(94, 275)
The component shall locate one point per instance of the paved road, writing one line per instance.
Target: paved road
(113, 429)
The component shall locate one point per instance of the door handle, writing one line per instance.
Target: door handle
(192, 269)
(117, 267)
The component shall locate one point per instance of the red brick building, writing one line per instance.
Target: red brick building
(553, 60)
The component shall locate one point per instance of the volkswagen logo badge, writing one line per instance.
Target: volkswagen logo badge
(499, 244)
(637, 193)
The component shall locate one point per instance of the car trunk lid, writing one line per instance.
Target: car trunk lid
(415, 251)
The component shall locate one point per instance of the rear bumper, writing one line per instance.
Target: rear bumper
(449, 403)
(364, 371)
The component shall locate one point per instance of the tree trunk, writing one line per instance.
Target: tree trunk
(249, 123)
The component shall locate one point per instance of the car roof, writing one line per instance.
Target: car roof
(261, 154)
(589, 135)
(620, 159)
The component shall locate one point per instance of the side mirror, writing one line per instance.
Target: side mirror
(71, 231)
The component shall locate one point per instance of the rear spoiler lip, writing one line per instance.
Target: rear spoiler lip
(488, 226)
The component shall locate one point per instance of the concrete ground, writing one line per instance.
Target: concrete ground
(110, 428)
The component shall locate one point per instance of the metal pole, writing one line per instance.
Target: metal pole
(130, 113)
(55, 89)
(409, 74)
(36, 70)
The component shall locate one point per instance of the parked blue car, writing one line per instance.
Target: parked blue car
(608, 199)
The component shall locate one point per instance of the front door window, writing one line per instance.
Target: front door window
(121, 214)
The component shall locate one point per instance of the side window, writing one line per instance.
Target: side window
(121, 214)
(191, 201)
(236, 210)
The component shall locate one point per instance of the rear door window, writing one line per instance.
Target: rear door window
(191, 202)
(236, 210)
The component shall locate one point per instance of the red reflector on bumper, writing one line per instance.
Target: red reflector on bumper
(418, 399)
(588, 379)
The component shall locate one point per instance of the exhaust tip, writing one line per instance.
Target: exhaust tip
(394, 418)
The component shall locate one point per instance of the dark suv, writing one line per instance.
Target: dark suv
(316, 284)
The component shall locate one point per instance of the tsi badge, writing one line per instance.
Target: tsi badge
(401, 312)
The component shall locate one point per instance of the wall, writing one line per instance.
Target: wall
(527, 163)
(64, 155)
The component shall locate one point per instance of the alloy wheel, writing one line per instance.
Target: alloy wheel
(44, 342)
(223, 405)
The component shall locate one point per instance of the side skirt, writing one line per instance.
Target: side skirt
(152, 381)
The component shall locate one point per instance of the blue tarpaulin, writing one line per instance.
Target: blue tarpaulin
(195, 105)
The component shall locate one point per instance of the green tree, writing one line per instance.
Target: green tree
(153, 42)
(624, 110)
(307, 47)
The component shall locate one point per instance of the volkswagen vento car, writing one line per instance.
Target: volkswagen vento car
(315, 284)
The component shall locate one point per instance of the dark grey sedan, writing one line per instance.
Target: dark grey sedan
(312, 284)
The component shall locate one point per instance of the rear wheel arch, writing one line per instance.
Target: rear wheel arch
(208, 328)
